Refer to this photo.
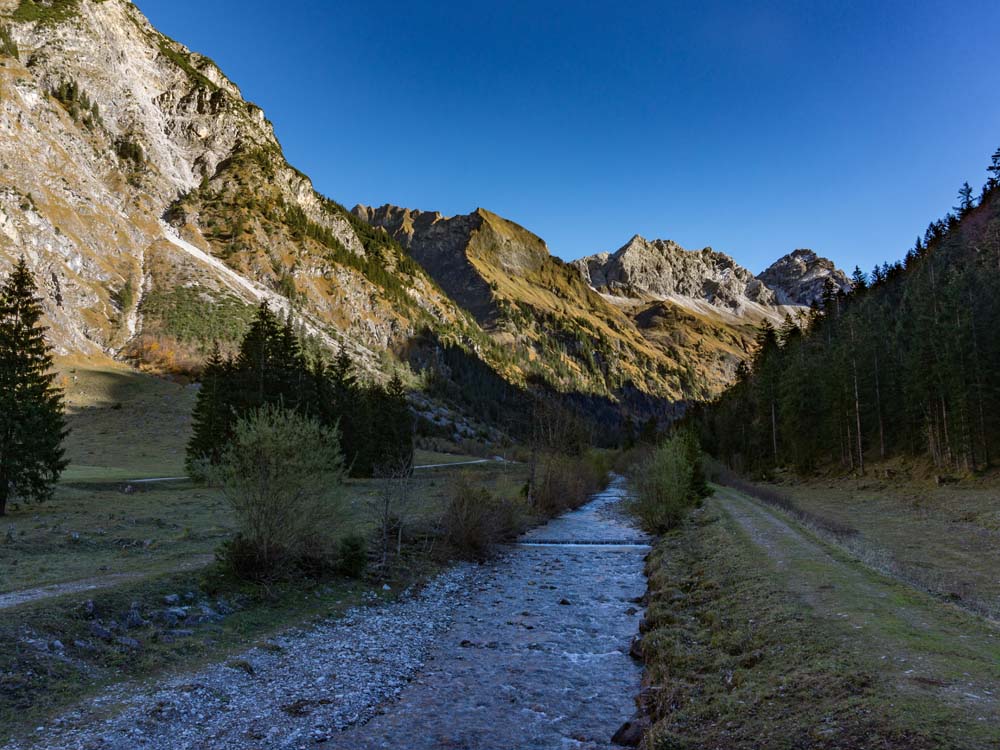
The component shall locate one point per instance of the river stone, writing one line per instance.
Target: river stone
(630, 733)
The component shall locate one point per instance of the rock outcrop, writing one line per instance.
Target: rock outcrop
(801, 278)
(646, 270)
(662, 269)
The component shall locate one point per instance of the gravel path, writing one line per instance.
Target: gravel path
(529, 651)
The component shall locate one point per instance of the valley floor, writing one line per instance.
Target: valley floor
(528, 651)
(764, 634)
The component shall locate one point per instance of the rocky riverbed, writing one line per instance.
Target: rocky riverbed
(528, 651)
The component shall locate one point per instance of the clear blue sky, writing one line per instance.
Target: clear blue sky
(755, 127)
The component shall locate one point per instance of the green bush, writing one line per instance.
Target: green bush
(50, 12)
(282, 473)
(191, 315)
(8, 46)
(667, 484)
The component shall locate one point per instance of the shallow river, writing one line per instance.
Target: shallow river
(537, 654)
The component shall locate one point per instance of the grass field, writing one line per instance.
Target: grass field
(945, 539)
(760, 634)
(127, 425)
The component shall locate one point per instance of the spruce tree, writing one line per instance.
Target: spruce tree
(399, 435)
(32, 422)
(258, 362)
(213, 416)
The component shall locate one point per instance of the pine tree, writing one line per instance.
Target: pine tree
(399, 435)
(965, 200)
(213, 416)
(994, 169)
(32, 422)
(257, 364)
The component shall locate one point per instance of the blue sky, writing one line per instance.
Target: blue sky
(754, 127)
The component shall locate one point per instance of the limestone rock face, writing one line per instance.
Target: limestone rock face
(662, 269)
(800, 278)
(110, 132)
(457, 250)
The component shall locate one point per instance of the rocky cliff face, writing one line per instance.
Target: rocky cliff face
(109, 129)
(440, 245)
(801, 277)
(662, 269)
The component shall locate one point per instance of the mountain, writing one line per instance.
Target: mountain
(662, 319)
(156, 207)
(709, 281)
(800, 278)
(536, 308)
(662, 269)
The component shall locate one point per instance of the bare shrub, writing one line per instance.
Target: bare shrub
(475, 521)
(566, 482)
(282, 474)
(391, 508)
(165, 355)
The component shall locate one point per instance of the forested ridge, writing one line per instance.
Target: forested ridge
(907, 363)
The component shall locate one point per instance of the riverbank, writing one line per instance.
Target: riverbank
(762, 634)
(527, 650)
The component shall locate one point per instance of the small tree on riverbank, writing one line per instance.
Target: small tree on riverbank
(668, 484)
(282, 473)
(32, 423)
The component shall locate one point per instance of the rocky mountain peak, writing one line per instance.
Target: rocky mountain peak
(662, 269)
(800, 277)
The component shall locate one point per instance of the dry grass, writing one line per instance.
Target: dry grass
(737, 659)
(943, 539)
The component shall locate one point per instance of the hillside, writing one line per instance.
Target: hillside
(903, 366)
(535, 307)
(156, 207)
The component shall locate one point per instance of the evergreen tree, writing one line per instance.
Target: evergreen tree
(399, 432)
(32, 422)
(907, 365)
(258, 363)
(994, 169)
(965, 200)
(213, 417)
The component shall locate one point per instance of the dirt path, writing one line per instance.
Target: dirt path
(924, 644)
(26, 596)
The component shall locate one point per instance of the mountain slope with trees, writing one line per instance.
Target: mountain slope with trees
(908, 363)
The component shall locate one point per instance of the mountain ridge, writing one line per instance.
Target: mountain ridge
(663, 270)
(156, 207)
